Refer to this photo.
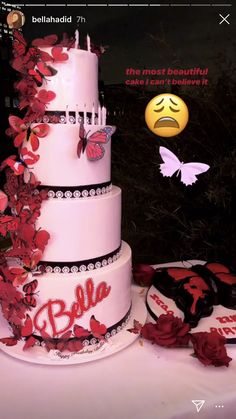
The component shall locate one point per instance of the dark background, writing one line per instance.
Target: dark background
(163, 220)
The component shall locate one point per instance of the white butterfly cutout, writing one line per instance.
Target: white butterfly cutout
(172, 164)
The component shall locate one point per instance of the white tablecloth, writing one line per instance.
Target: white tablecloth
(140, 382)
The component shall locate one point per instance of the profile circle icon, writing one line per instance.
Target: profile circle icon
(166, 115)
(15, 19)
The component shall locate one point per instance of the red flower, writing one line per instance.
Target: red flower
(143, 274)
(210, 349)
(169, 331)
(41, 239)
(11, 185)
(8, 224)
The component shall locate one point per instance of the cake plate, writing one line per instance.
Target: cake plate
(222, 319)
(116, 343)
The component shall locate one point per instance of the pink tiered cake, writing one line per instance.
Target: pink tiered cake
(87, 269)
(65, 281)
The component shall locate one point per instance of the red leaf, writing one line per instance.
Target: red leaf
(80, 332)
(29, 343)
(27, 329)
(11, 341)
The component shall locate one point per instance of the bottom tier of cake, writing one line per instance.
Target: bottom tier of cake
(90, 304)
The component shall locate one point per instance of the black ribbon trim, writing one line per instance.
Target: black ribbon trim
(59, 117)
(82, 191)
(86, 263)
(90, 339)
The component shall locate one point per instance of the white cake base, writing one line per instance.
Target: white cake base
(121, 340)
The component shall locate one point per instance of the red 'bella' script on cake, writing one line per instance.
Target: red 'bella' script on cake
(86, 298)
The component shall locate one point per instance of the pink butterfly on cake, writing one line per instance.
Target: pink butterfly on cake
(93, 144)
(188, 171)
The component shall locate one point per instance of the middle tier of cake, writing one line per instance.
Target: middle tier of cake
(82, 231)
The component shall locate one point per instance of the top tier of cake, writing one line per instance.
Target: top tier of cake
(76, 81)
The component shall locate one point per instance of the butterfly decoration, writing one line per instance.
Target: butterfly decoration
(39, 102)
(46, 41)
(137, 326)
(93, 144)
(73, 342)
(29, 300)
(19, 43)
(40, 72)
(20, 164)
(26, 133)
(25, 57)
(26, 272)
(9, 341)
(196, 290)
(27, 333)
(58, 54)
(188, 171)
(61, 345)
(98, 330)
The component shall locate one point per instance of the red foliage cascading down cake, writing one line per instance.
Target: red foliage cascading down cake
(80, 292)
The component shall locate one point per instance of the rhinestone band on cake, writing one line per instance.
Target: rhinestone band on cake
(64, 192)
(80, 266)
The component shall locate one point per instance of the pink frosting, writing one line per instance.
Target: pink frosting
(59, 164)
(82, 228)
(76, 82)
(110, 311)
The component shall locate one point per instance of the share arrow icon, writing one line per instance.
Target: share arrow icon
(198, 404)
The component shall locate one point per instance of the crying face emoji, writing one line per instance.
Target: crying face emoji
(166, 115)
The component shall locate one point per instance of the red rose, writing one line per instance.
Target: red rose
(210, 349)
(168, 331)
(143, 274)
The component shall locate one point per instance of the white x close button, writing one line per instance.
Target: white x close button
(224, 19)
